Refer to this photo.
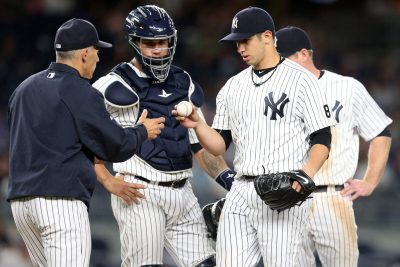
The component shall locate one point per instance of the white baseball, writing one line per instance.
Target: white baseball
(184, 108)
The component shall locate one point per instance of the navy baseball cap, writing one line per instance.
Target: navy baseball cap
(77, 34)
(292, 39)
(248, 22)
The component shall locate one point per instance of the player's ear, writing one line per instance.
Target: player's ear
(304, 54)
(268, 37)
(83, 54)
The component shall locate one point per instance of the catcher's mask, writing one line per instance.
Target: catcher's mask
(152, 23)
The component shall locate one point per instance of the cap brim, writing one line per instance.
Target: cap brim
(237, 36)
(102, 44)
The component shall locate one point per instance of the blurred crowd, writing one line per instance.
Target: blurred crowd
(354, 38)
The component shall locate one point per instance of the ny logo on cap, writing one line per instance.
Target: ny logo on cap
(234, 23)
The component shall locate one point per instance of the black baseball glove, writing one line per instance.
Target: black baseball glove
(211, 213)
(277, 192)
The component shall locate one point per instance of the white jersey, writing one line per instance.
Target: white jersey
(332, 229)
(128, 117)
(357, 115)
(270, 123)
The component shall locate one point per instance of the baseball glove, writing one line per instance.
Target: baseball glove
(275, 189)
(211, 214)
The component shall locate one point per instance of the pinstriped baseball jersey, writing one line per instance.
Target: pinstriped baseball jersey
(357, 115)
(270, 123)
(128, 117)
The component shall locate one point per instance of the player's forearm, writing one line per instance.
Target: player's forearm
(377, 158)
(317, 156)
(210, 139)
(102, 173)
(212, 165)
(216, 167)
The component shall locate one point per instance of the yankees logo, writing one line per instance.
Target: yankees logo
(270, 103)
(234, 23)
(337, 108)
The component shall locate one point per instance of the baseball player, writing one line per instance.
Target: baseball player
(332, 230)
(170, 215)
(58, 125)
(269, 111)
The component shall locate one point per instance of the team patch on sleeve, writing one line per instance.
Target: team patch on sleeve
(118, 95)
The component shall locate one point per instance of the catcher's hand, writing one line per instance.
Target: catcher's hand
(277, 192)
(211, 214)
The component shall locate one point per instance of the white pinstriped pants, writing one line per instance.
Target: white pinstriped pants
(249, 229)
(168, 217)
(331, 231)
(56, 231)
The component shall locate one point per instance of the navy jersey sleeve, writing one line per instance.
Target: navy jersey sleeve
(97, 130)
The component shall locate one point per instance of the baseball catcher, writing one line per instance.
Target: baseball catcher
(275, 189)
(211, 213)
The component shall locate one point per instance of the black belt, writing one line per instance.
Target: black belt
(324, 188)
(318, 189)
(173, 184)
(248, 177)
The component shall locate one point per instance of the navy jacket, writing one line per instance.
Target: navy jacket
(58, 123)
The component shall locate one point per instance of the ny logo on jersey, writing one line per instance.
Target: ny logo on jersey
(337, 108)
(234, 23)
(270, 103)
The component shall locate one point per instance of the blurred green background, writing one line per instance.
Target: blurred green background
(354, 38)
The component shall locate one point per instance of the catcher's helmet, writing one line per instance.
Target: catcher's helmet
(153, 23)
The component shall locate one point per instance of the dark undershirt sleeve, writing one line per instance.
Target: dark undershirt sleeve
(196, 147)
(322, 136)
(227, 136)
(385, 132)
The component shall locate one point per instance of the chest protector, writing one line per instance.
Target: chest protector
(170, 151)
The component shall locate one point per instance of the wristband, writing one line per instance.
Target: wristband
(225, 178)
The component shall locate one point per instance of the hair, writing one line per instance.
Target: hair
(66, 55)
(72, 54)
(310, 52)
(259, 35)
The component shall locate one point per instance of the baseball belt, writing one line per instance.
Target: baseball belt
(324, 188)
(248, 177)
(318, 189)
(173, 184)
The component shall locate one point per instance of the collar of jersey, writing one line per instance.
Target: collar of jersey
(138, 72)
(262, 72)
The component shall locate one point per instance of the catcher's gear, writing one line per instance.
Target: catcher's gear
(211, 214)
(151, 23)
(275, 189)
